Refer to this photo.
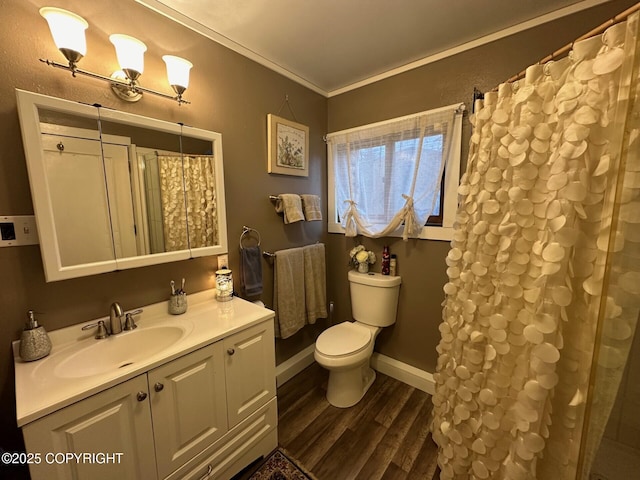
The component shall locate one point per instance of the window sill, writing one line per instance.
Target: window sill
(428, 233)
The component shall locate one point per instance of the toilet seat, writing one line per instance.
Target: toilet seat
(346, 338)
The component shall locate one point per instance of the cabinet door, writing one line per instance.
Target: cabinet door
(250, 369)
(188, 406)
(110, 431)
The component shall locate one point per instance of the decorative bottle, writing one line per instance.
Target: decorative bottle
(386, 260)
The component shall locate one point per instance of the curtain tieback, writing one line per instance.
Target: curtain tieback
(411, 226)
(349, 221)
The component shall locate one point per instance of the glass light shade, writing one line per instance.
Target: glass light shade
(67, 29)
(130, 52)
(177, 71)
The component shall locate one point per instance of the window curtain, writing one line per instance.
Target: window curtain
(389, 174)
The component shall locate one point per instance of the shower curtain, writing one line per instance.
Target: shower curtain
(188, 191)
(173, 204)
(543, 268)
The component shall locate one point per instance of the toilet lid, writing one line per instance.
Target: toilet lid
(343, 339)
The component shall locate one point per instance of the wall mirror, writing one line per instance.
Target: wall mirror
(114, 190)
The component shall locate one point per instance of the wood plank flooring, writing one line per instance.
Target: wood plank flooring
(385, 436)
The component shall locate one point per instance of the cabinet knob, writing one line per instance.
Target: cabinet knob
(231, 351)
(141, 396)
(158, 387)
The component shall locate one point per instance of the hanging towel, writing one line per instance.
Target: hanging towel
(315, 282)
(311, 207)
(251, 270)
(291, 205)
(289, 292)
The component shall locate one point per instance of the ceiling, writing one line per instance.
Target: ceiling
(333, 46)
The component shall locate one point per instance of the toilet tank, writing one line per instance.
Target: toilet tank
(374, 298)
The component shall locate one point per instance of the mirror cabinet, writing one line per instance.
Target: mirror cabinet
(114, 190)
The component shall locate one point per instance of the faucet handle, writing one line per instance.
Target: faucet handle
(129, 323)
(102, 329)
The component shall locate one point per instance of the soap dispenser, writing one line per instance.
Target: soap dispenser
(34, 342)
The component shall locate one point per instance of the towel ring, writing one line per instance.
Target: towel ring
(247, 231)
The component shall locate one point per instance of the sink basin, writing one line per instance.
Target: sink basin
(118, 351)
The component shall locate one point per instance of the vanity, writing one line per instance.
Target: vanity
(189, 396)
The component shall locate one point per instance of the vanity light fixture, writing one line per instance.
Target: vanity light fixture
(68, 31)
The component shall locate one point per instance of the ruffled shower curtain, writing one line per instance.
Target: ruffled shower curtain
(193, 175)
(173, 203)
(542, 268)
(200, 187)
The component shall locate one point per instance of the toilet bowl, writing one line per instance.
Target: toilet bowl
(345, 349)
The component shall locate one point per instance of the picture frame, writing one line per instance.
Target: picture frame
(287, 146)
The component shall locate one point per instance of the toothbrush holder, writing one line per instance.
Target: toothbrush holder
(178, 304)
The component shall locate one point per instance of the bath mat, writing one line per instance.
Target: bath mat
(281, 466)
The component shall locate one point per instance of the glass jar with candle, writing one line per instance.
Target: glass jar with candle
(224, 285)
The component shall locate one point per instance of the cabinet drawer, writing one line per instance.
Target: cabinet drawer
(256, 436)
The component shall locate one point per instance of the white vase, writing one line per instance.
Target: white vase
(363, 267)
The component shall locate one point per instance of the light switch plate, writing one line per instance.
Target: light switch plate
(223, 261)
(16, 230)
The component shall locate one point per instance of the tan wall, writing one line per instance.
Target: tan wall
(421, 263)
(229, 93)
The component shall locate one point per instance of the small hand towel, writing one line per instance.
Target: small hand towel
(288, 291)
(251, 270)
(311, 207)
(315, 282)
(291, 205)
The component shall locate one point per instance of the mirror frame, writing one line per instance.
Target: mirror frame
(28, 108)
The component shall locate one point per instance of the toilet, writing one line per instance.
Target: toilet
(345, 349)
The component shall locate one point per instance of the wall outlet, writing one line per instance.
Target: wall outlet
(223, 261)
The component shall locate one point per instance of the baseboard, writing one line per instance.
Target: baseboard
(294, 365)
(403, 372)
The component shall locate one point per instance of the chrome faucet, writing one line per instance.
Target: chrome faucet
(115, 318)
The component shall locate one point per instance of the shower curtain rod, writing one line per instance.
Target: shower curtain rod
(596, 31)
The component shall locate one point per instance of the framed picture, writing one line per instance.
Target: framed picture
(288, 147)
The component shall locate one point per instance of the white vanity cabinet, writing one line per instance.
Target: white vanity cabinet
(211, 411)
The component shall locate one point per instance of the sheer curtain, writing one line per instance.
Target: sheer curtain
(390, 173)
(533, 276)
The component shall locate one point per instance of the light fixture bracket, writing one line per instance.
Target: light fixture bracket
(129, 93)
(118, 86)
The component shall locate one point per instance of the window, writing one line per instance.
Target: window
(398, 177)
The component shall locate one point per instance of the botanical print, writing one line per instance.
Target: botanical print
(291, 143)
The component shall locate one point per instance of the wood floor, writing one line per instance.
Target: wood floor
(385, 436)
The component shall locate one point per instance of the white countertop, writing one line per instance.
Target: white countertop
(40, 391)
